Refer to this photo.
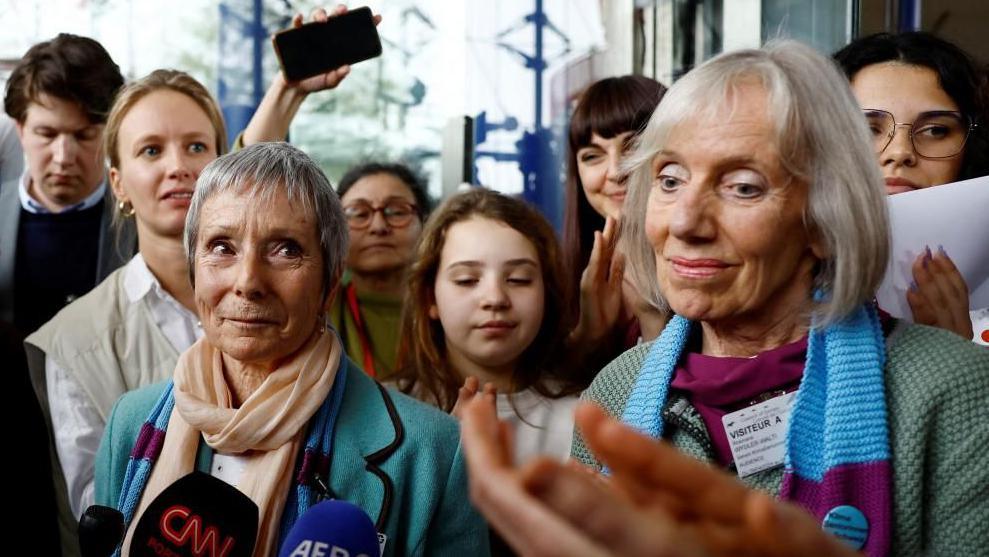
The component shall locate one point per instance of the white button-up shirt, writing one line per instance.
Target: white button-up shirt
(32, 205)
(76, 423)
(980, 326)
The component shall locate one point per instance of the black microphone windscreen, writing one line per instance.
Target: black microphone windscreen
(100, 531)
(198, 515)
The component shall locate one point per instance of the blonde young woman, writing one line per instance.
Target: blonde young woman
(129, 329)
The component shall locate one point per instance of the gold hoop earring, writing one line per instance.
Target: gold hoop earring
(125, 208)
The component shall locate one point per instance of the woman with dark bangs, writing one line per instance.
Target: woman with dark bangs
(605, 123)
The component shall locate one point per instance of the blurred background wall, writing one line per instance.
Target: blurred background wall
(470, 90)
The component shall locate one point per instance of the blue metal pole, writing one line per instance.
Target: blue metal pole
(540, 21)
(909, 16)
(259, 37)
(535, 151)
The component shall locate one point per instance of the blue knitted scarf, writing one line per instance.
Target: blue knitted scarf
(837, 446)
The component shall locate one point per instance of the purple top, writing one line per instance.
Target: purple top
(717, 386)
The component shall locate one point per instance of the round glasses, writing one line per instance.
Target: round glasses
(396, 213)
(934, 135)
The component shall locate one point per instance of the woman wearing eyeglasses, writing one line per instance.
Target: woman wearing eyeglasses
(385, 206)
(924, 99)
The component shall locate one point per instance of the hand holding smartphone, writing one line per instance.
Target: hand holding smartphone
(318, 47)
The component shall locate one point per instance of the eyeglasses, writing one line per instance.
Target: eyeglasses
(396, 213)
(934, 135)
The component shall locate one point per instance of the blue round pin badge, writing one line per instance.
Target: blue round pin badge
(847, 524)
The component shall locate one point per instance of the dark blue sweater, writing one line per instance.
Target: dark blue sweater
(56, 262)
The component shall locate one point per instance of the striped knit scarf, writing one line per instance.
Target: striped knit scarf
(837, 446)
(315, 458)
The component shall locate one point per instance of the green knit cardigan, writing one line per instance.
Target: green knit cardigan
(937, 393)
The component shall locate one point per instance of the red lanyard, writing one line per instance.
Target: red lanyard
(355, 312)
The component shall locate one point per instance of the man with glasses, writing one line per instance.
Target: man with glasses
(385, 205)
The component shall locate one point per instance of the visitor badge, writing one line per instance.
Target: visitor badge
(757, 434)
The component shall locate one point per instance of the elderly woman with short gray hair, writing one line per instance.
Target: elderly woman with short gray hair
(268, 391)
(757, 215)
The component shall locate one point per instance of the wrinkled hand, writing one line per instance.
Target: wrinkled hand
(467, 393)
(659, 502)
(726, 516)
(600, 290)
(534, 528)
(332, 78)
(939, 296)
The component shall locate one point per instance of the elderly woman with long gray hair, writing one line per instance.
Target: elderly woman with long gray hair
(756, 214)
(267, 400)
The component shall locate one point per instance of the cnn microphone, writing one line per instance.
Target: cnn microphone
(100, 530)
(332, 528)
(197, 516)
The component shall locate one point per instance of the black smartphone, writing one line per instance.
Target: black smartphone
(316, 48)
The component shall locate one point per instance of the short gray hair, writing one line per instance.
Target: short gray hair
(261, 171)
(822, 139)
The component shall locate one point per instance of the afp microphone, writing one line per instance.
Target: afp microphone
(197, 516)
(100, 531)
(332, 529)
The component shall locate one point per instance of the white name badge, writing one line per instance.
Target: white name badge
(757, 434)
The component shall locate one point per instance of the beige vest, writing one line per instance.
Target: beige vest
(110, 346)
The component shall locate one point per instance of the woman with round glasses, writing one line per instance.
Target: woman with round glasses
(385, 205)
(924, 100)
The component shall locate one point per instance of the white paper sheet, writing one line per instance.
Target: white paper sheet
(955, 216)
(980, 325)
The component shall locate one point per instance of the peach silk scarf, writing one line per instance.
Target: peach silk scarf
(267, 429)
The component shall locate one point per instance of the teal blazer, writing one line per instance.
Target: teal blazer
(395, 457)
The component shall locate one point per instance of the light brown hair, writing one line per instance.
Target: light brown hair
(171, 80)
(422, 362)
